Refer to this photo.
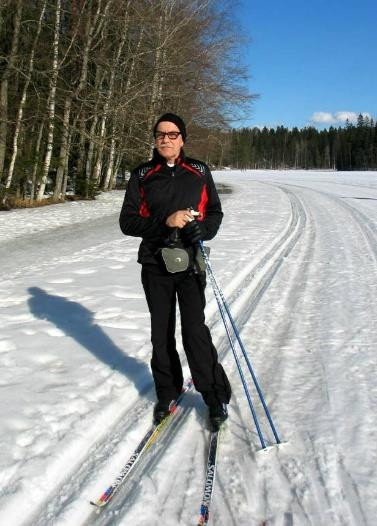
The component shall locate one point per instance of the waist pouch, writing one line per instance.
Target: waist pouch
(179, 259)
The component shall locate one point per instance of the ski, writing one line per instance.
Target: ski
(145, 443)
(210, 478)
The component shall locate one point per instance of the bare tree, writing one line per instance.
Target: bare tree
(23, 99)
(9, 62)
(91, 76)
(109, 94)
(51, 101)
(95, 20)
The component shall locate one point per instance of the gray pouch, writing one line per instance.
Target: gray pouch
(175, 259)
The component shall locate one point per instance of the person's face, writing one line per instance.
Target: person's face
(168, 148)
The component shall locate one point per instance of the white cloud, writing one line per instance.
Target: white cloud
(322, 117)
(340, 117)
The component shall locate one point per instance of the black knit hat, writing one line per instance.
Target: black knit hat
(175, 119)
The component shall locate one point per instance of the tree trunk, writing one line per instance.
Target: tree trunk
(91, 26)
(65, 180)
(64, 151)
(156, 79)
(52, 103)
(11, 60)
(159, 64)
(110, 165)
(3, 122)
(116, 166)
(36, 160)
(98, 165)
(89, 159)
(23, 100)
(81, 149)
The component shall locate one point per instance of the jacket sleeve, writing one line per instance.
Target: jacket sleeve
(131, 220)
(213, 215)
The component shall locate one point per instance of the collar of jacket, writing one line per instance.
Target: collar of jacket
(158, 159)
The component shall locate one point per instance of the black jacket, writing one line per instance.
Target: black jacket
(156, 191)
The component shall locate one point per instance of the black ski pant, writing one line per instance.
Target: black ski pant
(162, 291)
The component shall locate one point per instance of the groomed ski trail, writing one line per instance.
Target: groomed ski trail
(309, 481)
(296, 303)
(243, 293)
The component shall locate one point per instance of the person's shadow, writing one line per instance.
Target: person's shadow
(77, 322)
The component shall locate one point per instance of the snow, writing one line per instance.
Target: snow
(296, 258)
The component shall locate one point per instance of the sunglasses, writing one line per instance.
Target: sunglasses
(172, 135)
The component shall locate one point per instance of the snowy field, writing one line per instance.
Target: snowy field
(296, 257)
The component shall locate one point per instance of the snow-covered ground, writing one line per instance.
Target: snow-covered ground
(297, 260)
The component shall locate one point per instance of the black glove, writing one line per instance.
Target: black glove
(172, 239)
(192, 233)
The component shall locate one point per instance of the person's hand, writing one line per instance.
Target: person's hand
(192, 233)
(179, 219)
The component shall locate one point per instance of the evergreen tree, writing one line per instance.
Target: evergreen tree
(353, 147)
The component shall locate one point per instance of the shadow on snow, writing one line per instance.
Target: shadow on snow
(77, 322)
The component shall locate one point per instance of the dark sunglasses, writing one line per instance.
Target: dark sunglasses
(172, 135)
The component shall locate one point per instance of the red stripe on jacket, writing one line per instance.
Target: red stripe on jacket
(188, 167)
(202, 206)
(143, 209)
(152, 170)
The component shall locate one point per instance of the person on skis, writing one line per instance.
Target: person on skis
(171, 203)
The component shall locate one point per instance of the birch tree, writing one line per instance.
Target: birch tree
(109, 94)
(8, 66)
(52, 101)
(23, 98)
(95, 19)
(89, 78)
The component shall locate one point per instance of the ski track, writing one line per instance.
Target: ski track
(343, 507)
(61, 498)
(309, 474)
(248, 293)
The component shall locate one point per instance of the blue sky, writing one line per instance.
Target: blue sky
(311, 61)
